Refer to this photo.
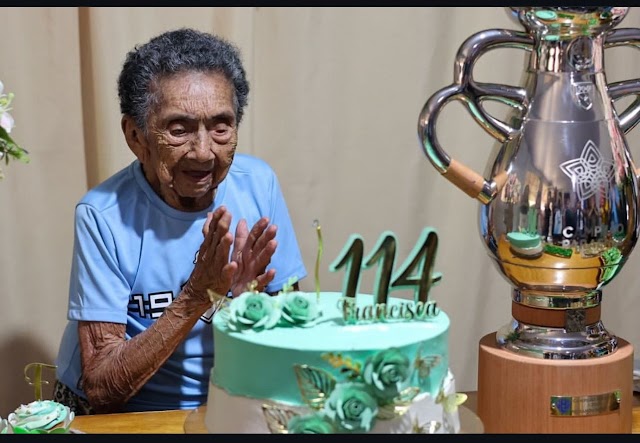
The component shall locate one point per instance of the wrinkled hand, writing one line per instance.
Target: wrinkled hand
(252, 251)
(213, 270)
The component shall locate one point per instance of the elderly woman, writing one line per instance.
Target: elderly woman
(154, 238)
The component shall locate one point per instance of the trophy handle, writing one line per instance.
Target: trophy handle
(478, 92)
(630, 117)
(465, 178)
(472, 94)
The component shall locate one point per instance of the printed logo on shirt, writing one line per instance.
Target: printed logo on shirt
(154, 305)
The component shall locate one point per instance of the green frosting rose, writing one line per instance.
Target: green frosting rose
(386, 372)
(351, 407)
(300, 308)
(310, 424)
(253, 310)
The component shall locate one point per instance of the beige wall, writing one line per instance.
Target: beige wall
(334, 104)
(37, 200)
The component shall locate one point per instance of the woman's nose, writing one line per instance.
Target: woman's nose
(203, 146)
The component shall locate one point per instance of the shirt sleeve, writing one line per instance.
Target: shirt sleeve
(98, 290)
(287, 260)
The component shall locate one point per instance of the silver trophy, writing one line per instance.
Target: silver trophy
(559, 198)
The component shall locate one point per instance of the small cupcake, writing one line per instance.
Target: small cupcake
(39, 417)
(525, 245)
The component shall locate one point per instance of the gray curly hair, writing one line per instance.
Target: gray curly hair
(171, 52)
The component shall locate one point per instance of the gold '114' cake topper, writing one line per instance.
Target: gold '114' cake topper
(415, 273)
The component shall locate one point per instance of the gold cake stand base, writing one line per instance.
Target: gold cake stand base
(470, 423)
(521, 394)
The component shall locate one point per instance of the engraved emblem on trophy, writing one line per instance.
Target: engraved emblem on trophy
(558, 216)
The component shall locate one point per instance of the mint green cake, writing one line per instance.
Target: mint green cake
(292, 364)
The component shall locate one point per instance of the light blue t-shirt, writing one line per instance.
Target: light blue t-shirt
(133, 253)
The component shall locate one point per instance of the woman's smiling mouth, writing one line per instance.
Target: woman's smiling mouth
(197, 175)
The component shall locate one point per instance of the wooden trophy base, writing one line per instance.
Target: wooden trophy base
(521, 394)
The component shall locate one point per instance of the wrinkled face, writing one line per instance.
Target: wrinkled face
(191, 138)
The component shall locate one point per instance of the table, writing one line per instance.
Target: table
(172, 422)
(161, 422)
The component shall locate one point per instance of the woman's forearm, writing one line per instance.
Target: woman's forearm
(114, 369)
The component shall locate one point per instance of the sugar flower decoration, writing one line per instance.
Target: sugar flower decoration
(311, 424)
(8, 148)
(351, 408)
(300, 308)
(387, 373)
(255, 311)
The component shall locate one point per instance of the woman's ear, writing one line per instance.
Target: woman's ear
(135, 138)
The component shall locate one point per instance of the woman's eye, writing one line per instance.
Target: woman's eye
(177, 132)
(221, 130)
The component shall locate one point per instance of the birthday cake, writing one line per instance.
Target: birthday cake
(334, 362)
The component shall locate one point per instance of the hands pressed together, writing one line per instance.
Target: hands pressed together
(252, 252)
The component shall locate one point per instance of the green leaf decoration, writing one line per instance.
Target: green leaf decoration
(59, 431)
(337, 361)
(22, 430)
(315, 385)
(19, 430)
(277, 418)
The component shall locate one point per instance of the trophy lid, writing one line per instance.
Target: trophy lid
(558, 23)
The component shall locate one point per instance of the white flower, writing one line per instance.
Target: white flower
(9, 149)
(6, 121)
